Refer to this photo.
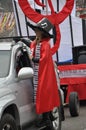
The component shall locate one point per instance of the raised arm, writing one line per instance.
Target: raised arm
(54, 49)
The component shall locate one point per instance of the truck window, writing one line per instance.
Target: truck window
(22, 60)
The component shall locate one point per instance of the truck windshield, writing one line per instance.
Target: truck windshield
(4, 62)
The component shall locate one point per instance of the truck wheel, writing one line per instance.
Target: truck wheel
(74, 104)
(8, 123)
(56, 118)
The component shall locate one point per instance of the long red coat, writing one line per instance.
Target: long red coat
(47, 90)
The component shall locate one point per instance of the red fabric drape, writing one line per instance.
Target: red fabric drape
(51, 6)
(39, 3)
(55, 18)
(57, 42)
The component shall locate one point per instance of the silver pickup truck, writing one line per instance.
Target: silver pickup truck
(16, 89)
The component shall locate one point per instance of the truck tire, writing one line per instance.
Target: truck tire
(8, 123)
(56, 118)
(74, 104)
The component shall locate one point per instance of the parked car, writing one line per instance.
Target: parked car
(16, 89)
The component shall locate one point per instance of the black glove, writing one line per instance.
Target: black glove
(17, 39)
(27, 42)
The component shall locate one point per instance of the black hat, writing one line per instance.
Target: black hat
(43, 25)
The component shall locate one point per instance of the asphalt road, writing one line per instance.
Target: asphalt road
(72, 123)
(75, 123)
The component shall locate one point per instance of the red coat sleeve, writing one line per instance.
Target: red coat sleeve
(54, 49)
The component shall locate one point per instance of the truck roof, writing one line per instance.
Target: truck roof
(5, 45)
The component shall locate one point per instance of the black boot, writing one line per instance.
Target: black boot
(45, 120)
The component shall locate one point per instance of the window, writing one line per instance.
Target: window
(5, 57)
(22, 60)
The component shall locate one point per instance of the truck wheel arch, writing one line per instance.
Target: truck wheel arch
(12, 110)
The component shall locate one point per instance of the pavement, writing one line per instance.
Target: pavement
(75, 123)
(71, 123)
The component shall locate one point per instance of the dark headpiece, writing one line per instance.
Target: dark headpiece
(43, 25)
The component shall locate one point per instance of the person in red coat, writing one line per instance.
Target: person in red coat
(46, 95)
